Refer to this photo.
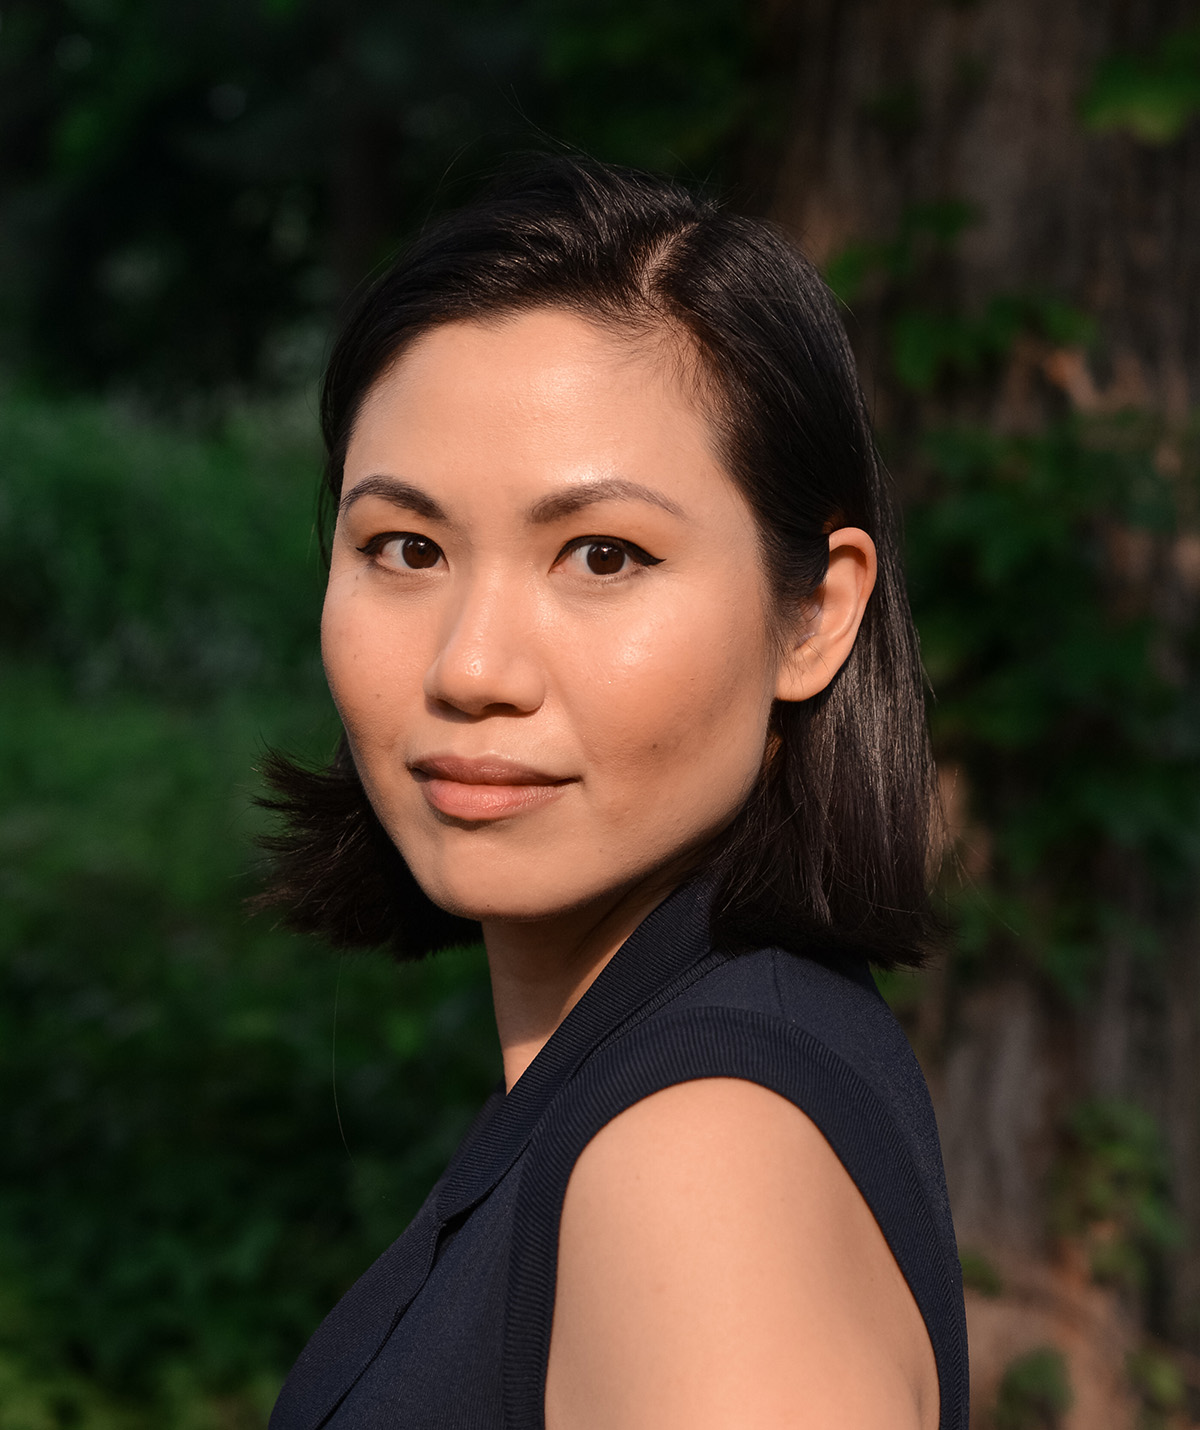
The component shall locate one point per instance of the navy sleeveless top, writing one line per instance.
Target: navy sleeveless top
(451, 1326)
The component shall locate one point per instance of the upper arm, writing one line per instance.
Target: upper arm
(717, 1267)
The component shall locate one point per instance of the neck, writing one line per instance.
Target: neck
(541, 969)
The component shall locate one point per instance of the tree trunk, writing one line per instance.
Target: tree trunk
(902, 103)
(899, 102)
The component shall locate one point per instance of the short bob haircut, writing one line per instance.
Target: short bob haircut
(831, 853)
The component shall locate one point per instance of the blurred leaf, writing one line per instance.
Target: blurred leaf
(1111, 1189)
(1035, 1392)
(1049, 681)
(1157, 1381)
(136, 555)
(1153, 96)
(980, 1274)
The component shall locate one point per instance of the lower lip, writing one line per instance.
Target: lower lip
(463, 801)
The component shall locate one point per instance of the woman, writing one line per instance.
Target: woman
(617, 633)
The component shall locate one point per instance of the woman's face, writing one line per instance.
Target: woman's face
(546, 622)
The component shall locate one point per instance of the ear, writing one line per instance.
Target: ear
(824, 636)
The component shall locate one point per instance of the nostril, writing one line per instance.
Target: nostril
(474, 685)
(488, 656)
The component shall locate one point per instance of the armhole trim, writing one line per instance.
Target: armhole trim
(727, 1042)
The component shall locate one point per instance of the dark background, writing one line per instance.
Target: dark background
(210, 1127)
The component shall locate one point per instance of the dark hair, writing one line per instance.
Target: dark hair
(831, 853)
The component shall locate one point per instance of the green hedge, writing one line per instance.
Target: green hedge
(180, 1205)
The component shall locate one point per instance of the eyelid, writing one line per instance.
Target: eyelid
(382, 537)
(630, 548)
(638, 554)
(372, 547)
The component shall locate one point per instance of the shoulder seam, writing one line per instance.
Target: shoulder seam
(776, 955)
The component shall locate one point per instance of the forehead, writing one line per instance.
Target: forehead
(557, 344)
(543, 384)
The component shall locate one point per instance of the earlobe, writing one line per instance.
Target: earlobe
(825, 635)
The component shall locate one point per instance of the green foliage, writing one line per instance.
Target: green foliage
(903, 989)
(1041, 566)
(1111, 1187)
(657, 83)
(1068, 705)
(1035, 1392)
(136, 555)
(192, 188)
(928, 346)
(925, 233)
(1152, 96)
(178, 1206)
(1159, 1385)
(979, 1273)
(933, 340)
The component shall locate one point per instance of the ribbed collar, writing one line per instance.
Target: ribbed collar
(668, 950)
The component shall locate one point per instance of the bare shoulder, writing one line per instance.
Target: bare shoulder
(718, 1268)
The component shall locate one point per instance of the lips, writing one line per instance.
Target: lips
(487, 787)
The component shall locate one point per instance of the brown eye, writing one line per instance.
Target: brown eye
(606, 556)
(604, 559)
(402, 551)
(419, 552)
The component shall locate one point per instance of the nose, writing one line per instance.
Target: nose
(486, 662)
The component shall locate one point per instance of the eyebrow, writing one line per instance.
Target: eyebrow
(400, 494)
(576, 498)
(550, 508)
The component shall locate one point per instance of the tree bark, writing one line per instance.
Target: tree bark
(900, 103)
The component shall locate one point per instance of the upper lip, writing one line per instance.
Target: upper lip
(482, 770)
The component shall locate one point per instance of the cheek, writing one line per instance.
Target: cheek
(679, 706)
(370, 661)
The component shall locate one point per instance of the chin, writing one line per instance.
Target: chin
(497, 897)
(521, 890)
(528, 886)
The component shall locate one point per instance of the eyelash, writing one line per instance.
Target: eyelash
(635, 553)
(376, 544)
